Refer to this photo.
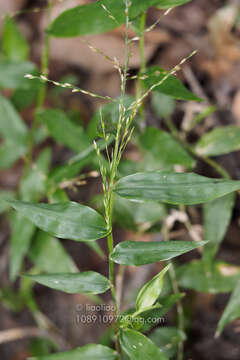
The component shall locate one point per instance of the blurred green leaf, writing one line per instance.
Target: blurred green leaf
(217, 216)
(221, 278)
(64, 220)
(219, 141)
(12, 75)
(49, 255)
(88, 282)
(87, 352)
(232, 310)
(163, 105)
(168, 338)
(150, 292)
(14, 132)
(63, 130)
(164, 148)
(6, 195)
(141, 253)
(139, 347)
(171, 86)
(173, 188)
(14, 44)
(33, 184)
(23, 98)
(22, 232)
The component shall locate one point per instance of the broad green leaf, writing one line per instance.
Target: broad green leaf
(165, 4)
(49, 255)
(88, 282)
(12, 75)
(87, 352)
(232, 310)
(141, 253)
(174, 188)
(22, 231)
(33, 184)
(64, 220)
(217, 216)
(6, 195)
(139, 347)
(150, 292)
(168, 338)
(221, 278)
(163, 105)
(165, 148)
(219, 141)
(171, 86)
(14, 45)
(63, 130)
(93, 19)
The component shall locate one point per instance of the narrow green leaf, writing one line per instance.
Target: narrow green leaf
(139, 347)
(63, 130)
(217, 216)
(219, 141)
(171, 86)
(165, 4)
(14, 45)
(232, 310)
(165, 148)
(150, 292)
(22, 231)
(93, 19)
(87, 352)
(64, 220)
(221, 278)
(141, 253)
(49, 255)
(88, 282)
(168, 338)
(174, 188)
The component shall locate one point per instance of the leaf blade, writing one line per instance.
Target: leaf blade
(173, 188)
(142, 253)
(64, 220)
(88, 282)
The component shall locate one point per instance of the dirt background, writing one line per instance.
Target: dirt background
(214, 74)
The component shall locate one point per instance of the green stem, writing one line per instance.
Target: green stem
(175, 287)
(43, 88)
(139, 87)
